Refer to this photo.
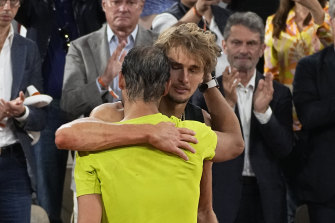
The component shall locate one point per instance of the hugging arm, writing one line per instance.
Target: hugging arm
(98, 133)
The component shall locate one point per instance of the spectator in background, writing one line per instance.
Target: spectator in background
(20, 66)
(251, 188)
(151, 9)
(94, 61)
(52, 24)
(205, 13)
(260, 7)
(298, 28)
(313, 96)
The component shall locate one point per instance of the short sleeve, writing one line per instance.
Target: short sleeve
(85, 175)
(211, 141)
(207, 139)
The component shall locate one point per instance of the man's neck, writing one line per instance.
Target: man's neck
(171, 108)
(122, 33)
(3, 35)
(138, 109)
(246, 76)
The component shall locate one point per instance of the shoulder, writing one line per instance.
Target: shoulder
(219, 11)
(109, 112)
(318, 56)
(199, 127)
(146, 35)
(29, 45)
(279, 87)
(100, 33)
(18, 39)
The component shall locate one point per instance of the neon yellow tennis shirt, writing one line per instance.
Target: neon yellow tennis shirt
(140, 184)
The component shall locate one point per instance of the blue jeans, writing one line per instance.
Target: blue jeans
(51, 165)
(15, 188)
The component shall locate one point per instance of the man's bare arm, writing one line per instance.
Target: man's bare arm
(205, 208)
(224, 121)
(92, 134)
(89, 208)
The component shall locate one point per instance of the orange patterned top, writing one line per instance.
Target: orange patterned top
(282, 55)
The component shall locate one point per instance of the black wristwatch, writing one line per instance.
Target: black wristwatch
(210, 84)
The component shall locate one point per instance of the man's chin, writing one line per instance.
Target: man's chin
(177, 100)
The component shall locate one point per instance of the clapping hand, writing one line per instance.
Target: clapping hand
(263, 94)
(230, 80)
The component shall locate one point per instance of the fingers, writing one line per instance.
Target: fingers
(123, 56)
(180, 153)
(186, 146)
(116, 54)
(186, 131)
(21, 96)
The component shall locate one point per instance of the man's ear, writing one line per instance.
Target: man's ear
(122, 81)
(224, 46)
(103, 5)
(167, 87)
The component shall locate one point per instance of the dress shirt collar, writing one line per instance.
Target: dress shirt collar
(10, 36)
(251, 83)
(110, 34)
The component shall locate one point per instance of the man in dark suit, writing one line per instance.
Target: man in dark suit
(251, 187)
(52, 24)
(20, 66)
(313, 96)
(94, 61)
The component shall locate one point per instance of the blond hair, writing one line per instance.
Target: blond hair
(194, 41)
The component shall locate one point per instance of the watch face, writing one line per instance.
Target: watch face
(203, 87)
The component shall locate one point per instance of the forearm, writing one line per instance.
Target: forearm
(93, 135)
(318, 13)
(205, 208)
(192, 16)
(89, 208)
(224, 120)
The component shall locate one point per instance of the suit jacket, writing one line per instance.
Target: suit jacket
(39, 15)
(86, 60)
(268, 144)
(26, 69)
(314, 99)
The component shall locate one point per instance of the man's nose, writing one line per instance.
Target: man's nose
(124, 6)
(184, 76)
(244, 48)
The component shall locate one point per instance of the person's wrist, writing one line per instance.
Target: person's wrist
(21, 114)
(196, 12)
(103, 83)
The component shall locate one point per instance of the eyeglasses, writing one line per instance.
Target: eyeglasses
(129, 3)
(13, 3)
